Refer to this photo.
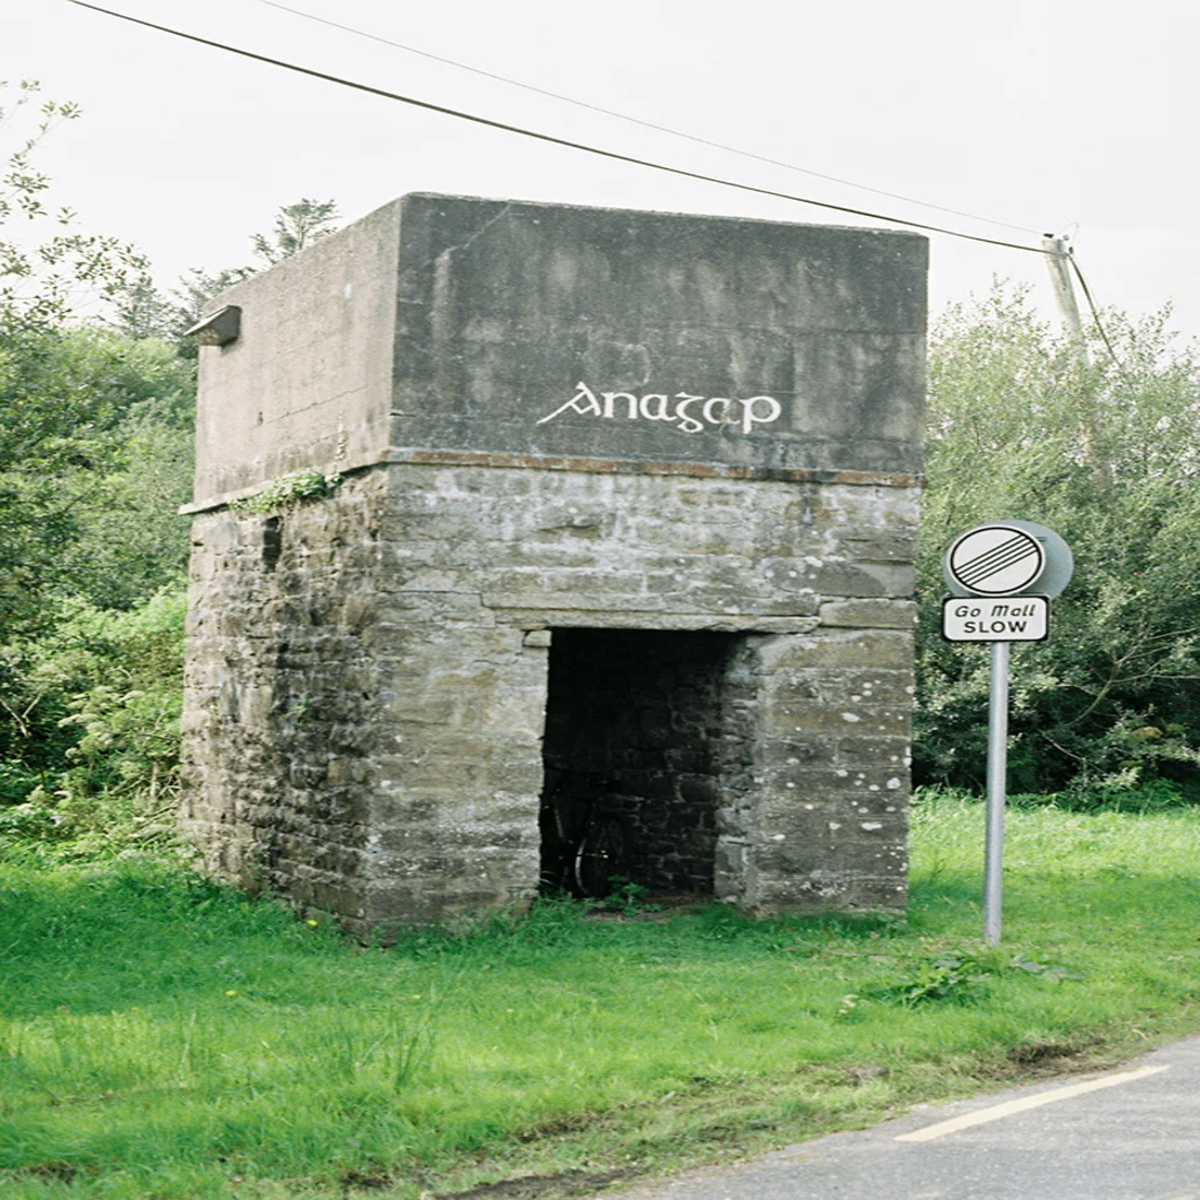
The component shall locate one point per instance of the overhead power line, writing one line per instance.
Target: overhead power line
(551, 139)
(608, 112)
(1087, 295)
(614, 155)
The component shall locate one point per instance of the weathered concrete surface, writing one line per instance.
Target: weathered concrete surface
(369, 716)
(451, 325)
(308, 382)
(506, 309)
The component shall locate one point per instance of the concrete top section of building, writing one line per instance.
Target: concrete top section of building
(446, 328)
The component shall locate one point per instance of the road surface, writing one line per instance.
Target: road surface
(1128, 1134)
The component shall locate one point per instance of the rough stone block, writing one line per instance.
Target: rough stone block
(870, 614)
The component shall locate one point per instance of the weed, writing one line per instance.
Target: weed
(289, 490)
(626, 897)
(958, 976)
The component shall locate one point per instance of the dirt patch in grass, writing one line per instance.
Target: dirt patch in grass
(59, 1171)
(364, 1182)
(1045, 1058)
(544, 1187)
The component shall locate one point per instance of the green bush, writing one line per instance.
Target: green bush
(1105, 455)
(95, 458)
(97, 746)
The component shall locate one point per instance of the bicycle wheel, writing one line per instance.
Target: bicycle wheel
(600, 856)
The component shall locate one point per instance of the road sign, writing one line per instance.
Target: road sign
(995, 560)
(1008, 558)
(975, 619)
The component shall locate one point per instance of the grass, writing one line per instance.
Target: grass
(164, 1037)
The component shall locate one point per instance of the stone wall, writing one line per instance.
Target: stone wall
(281, 687)
(368, 685)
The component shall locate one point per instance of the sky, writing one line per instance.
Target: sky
(1052, 117)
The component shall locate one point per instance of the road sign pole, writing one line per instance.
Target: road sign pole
(993, 859)
(1002, 576)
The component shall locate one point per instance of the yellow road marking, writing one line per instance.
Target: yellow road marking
(1009, 1107)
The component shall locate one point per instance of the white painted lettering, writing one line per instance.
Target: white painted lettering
(723, 419)
(657, 406)
(687, 423)
(611, 397)
(749, 419)
(591, 405)
(660, 411)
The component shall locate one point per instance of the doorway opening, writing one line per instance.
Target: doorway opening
(645, 751)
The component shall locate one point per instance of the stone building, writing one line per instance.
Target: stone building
(627, 502)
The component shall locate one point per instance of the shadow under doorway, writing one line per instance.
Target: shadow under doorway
(646, 741)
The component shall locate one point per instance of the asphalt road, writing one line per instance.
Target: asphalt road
(1127, 1134)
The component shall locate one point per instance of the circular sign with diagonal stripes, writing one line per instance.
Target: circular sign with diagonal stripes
(995, 560)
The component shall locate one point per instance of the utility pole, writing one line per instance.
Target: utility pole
(1058, 255)
(1058, 259)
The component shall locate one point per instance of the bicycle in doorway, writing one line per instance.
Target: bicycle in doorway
(583, 836)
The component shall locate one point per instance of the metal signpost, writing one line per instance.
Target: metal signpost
(1002, 577)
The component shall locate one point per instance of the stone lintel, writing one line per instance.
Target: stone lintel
(869, 613)
(548, 618)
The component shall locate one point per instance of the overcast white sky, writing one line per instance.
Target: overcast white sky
(1041, 115)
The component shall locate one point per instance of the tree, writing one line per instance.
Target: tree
(1108, 456)
(95, 459)
(83, 414)
(95, 447)
(41, 284)
(66, 392)
(296, 227)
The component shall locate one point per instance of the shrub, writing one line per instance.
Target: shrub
(1107, 456)
(97, 746)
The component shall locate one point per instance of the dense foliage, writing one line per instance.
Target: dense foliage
(1108, 455)
(95, 458)
(97, 388)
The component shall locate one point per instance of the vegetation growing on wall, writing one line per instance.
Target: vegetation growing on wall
(288, 490)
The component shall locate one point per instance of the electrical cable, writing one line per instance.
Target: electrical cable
(608, 112)
(1087, 294)
(557, 141)
(614, 155)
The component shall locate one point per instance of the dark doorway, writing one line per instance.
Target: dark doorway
(642, 747)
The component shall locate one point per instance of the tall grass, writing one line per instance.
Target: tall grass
(163, 1036)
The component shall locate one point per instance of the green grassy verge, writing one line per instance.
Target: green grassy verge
(164, 1037)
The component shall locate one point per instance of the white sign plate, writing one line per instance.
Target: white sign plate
(1016, 619)
(995, 560)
